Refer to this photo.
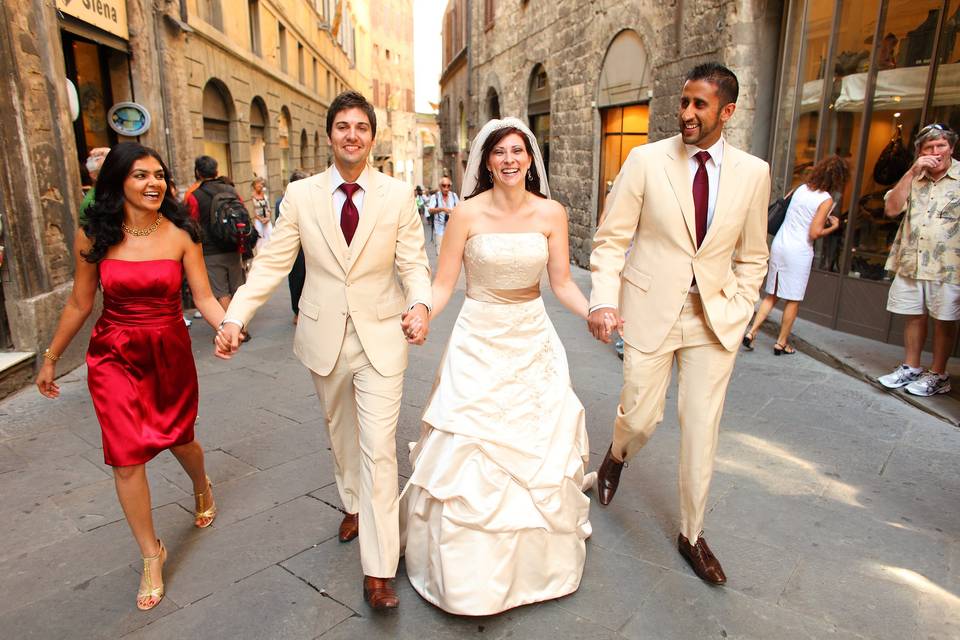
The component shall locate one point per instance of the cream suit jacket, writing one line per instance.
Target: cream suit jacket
(651, 205)
(362, 281)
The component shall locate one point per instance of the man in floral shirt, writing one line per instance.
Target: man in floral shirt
(925, 258)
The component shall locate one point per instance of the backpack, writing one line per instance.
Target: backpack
(228, 223)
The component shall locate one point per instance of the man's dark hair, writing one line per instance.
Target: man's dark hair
(728, 89)
(298, 174)
(205, 167)
(351, 100)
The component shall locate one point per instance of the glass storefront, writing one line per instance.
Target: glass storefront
(858, 79)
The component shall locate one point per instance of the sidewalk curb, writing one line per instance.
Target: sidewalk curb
(772, 328)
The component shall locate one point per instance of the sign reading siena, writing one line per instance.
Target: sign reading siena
(109, 15)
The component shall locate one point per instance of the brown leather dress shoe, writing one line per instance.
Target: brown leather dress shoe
(702, 560)
(608, 477)
(349, 527)
(379, 593)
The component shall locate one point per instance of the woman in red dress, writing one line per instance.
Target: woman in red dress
(136, 244)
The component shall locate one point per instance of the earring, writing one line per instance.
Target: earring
(490, 173)
(529, 175)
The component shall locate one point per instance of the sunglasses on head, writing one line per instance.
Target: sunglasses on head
(935, 126)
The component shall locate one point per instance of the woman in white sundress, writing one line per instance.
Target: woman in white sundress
(791, 254)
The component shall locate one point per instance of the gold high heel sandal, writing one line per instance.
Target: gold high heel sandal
(150, 591)
(203, 518)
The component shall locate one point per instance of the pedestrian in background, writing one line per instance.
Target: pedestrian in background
(135, 246)
(92, 165)
(298, 272)
(925, 258)
(262, 216)
(791, 255)
(441, 206)
(224, 263)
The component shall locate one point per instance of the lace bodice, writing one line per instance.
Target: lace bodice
(505, 267)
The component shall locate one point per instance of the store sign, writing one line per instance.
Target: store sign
(129, 119)
(109, 15)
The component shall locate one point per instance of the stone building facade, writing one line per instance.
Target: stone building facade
(578, 70)
(397, 151)
(455, 90)
(250, 87)
(817, 77)
(258, 83)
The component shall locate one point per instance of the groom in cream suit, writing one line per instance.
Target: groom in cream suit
(366, 295)
(694, 207)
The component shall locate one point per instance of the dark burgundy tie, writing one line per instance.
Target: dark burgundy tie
(701, 195)
(349, 216)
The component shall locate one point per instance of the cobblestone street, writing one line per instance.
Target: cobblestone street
(834, 510)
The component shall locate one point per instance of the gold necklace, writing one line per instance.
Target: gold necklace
(135, 231)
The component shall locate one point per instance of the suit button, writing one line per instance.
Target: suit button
(683, 291)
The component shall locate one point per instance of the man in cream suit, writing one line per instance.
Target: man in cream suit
(694, 208)
(365, 296)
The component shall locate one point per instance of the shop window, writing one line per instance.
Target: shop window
(623, 129)
(88, 67)
(945, 101)
(903, 62)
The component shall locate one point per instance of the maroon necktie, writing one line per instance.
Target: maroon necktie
(349, 216)
(701, 195)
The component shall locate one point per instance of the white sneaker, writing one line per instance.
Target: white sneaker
(900, 377)
(929, 384)
(197, 314)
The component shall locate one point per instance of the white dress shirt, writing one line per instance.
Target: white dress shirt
(340, 198)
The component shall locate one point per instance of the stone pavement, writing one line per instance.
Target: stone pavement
(834, 509)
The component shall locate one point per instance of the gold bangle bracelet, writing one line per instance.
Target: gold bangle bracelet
(50, 355)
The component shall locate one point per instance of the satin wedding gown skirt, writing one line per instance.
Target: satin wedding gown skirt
(493, 515)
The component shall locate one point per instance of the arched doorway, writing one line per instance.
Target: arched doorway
(624, 103)
(493, 103)
(283, 141)
(217, 115)
(538, 110)
(258, 137)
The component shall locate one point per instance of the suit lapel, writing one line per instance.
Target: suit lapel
(678, 173)
(372, 205)
(329, 227)
(725, 190)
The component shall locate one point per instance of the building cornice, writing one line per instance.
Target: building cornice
(458, 62)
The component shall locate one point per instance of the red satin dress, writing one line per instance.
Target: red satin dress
(140, 367)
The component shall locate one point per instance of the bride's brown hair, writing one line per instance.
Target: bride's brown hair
(485, 180)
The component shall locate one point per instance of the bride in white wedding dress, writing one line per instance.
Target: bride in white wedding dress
(494, 515)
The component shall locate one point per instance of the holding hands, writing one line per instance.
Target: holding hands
(227, 340)
(602, 321)
(416, 324)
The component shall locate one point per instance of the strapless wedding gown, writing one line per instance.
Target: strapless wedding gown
(493, 515)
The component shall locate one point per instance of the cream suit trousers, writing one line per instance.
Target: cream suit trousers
(704, 367)
(362, 408)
